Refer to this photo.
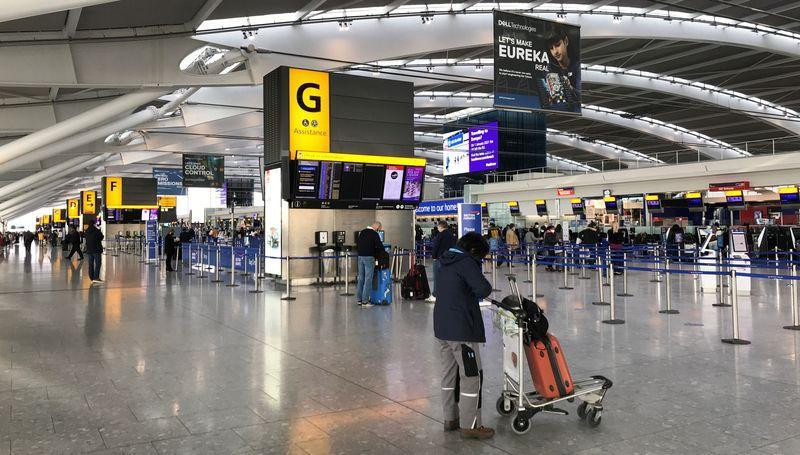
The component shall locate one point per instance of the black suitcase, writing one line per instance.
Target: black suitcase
(415, 284)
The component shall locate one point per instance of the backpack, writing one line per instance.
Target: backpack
(415, 284)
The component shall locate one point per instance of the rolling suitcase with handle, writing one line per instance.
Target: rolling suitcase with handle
(546, 360)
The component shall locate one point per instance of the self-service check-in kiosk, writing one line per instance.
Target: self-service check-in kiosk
(740, 255)
(709, 256)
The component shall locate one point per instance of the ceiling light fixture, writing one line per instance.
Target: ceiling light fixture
(429, 68)
(345, 25)
(479, 67)
(561, 16)
(427, 18)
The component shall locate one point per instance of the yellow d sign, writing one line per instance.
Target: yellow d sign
(72, 208)
(309, 111)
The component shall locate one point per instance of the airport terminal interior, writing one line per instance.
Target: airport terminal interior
(399, 226)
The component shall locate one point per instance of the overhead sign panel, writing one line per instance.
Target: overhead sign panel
(129, 193)
(73, 208)
(167, 201)
(309, 111)
(59, 215)
(170, 181)
(203, 171)
(474, 150)
(89, 202)
(537, 64)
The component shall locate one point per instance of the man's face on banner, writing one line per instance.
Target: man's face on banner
(559, 52)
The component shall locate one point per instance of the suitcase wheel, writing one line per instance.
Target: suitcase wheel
(520, 425)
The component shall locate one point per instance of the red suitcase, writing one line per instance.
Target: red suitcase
(549, 368)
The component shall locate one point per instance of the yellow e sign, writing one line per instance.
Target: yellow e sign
(72, 208)
(89, 202)
(309, 111)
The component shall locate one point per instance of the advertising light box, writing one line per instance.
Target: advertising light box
(203, 171)
(337, 180)
(473, 150)
(537, 64)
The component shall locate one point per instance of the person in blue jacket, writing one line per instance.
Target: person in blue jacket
(458, 326)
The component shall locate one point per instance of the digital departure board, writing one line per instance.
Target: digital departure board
(577, 206)
(653, 202)
(789, 196)
(336, 180)
(694, 201)
(541, 207)
(735, 199)
(612, 204)
(513, 207)
(485, 210)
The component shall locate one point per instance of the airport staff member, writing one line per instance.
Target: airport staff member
(368, 246)
(443, 241)
(458, 326)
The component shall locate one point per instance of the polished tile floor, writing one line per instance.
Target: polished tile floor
(150, 363)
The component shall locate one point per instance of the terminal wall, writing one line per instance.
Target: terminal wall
(303, 223)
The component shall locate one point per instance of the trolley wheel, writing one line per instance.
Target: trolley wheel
(582, 410)
(594, 416)
(520, 425)
(504, 406)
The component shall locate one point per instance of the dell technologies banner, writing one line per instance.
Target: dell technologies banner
(203, 171)
(537, 64)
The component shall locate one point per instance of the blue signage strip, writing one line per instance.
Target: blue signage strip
(151, 237)
(469, 219)
(170, 181)
(438, 208)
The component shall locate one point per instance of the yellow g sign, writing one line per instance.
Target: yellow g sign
(89, 202)
(72, 208)
(309, 111)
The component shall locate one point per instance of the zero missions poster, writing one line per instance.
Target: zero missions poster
(537, 64)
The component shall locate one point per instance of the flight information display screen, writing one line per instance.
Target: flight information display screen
(790, 198)
(335, 180)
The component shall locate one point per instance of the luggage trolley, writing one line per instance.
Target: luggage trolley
(511, 320)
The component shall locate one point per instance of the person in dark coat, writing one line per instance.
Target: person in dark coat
(368, 246)
(458, 326)
(27, 238)
(443, 241)
(74, 240)
(169, 249)
(94, 251)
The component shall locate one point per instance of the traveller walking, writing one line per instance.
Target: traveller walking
(443, 241)
(458, 327)
(27, 238)
(169, 248)
(94, 252)
(74, 240)
(368, 247)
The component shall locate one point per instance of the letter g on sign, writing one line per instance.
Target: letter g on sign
(316, 101)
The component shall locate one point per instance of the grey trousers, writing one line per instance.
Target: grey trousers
(462, 381)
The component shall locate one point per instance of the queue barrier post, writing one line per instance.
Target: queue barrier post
(600, 296)
(191, 261)
(202, 274)
(669, 309)
(583, 261)
(625, 292)
(217, 267)
(233, 284)
(575, 260)
(528, 264)
(734, 313)
(143, 260)
(260, 268)
(656, 257)
(258, 289)
(565, 286)
(607, 274)
(612, 317)
(346, 292)
(288, 295)
(494, 273)
(795, 311)
(245, 273)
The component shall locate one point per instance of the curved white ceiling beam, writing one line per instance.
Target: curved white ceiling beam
(706, 145)
(378, 36)
(780, 117)
(18, 9)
